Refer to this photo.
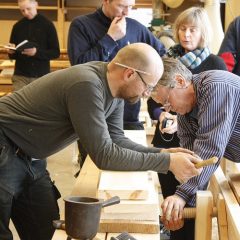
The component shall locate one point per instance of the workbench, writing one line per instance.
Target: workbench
(86, 185)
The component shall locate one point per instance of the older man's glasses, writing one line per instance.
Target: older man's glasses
(166, 105)
(149, 88)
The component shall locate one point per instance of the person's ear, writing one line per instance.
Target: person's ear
(129, 74)
(181, 81)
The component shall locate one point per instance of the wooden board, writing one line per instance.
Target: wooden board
(138, 136)
(151, 204)
(86, 185)
(87, 181)
(234, 181)
(222, 218)
(219, 184)
(126, 185)
(5, 80)
(143, 216)
(116, 226)
(203, 221)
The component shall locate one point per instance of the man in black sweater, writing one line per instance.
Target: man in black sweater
(32, 63)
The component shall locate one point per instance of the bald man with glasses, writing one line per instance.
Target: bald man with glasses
(82, 102)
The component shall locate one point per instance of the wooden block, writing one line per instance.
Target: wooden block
(87, 181)
(138, 136)
(222, 218)
(142, 216)
(128, 210)
(116, 226)
(151, 204)
(234, 181)
(138, 236)
(59, 64)
(7, 64)
(126, 185)
(86, 185)
(219, 183)
(5, 80)
(203, 221)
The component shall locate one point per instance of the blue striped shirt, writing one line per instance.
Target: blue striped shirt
(213, 126)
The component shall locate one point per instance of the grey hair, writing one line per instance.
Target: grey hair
(173, 67)
(199, 17)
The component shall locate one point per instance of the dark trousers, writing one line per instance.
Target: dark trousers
(27, 195)
(169, 184)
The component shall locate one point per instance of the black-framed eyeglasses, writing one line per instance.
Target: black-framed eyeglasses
(149, 88)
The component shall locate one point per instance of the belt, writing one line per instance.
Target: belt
(21, 154)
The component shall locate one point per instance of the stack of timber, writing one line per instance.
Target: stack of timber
(138, 210)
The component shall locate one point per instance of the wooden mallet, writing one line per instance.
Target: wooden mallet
(206, 162)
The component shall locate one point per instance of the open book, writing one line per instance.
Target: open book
(22, 45)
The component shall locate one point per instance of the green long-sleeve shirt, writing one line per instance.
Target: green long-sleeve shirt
(65, 105)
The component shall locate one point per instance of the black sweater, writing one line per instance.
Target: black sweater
(42, 32)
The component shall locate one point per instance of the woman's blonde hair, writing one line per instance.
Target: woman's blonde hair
(199, 18)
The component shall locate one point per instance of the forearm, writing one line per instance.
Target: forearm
(188, 190)
(47, 54)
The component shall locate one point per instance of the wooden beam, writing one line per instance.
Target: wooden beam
(219, 183)
(222, 218)
(203, 221)
(87, 181)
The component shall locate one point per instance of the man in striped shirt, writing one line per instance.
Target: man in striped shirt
(208, 107)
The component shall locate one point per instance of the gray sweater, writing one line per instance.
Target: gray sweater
(60, 107)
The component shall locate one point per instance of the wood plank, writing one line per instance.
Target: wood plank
(234, 181)
(6, 88)
(222, 218)
(138, 136)
(142, 216)
(86, 185)
(126, 185)
(219, 183)
(87, 181)
(129, 226)
(59, 64)
(151, 204)
(6, 80)
(7, 64)
(203, 221)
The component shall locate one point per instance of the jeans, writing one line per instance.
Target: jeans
(27, 195)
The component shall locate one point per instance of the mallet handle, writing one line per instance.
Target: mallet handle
(206, 162)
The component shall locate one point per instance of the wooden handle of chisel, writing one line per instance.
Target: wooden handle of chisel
(207, 162)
